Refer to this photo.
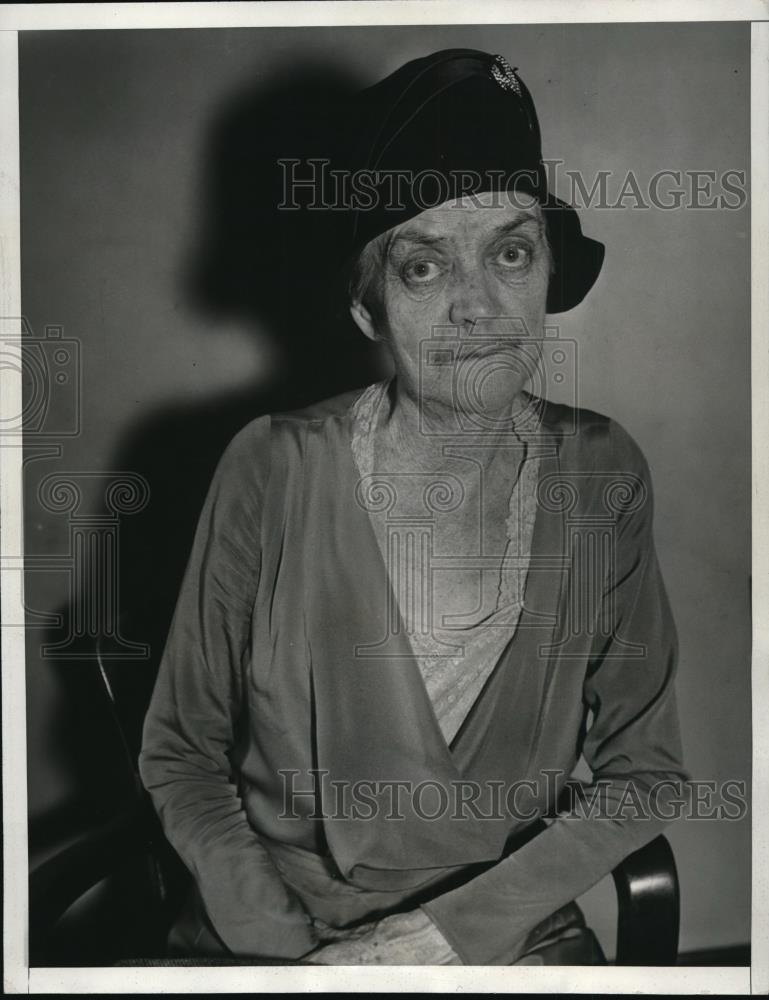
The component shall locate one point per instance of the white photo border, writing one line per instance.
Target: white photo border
(18, 977)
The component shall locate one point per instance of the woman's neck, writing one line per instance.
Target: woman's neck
(414, 433)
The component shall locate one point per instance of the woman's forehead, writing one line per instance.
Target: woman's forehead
(477, 214)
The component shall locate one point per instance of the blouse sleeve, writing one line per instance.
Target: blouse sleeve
(632, 746)
(197, 699)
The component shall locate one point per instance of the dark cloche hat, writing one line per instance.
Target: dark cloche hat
(457, 122)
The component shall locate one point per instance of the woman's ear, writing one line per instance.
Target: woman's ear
(363, 320)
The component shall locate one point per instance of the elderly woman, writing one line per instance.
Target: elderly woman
(409, 611)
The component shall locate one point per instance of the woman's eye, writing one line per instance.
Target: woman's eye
(514, 256)
(420, 272)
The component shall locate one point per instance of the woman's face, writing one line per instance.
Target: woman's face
(462, 300)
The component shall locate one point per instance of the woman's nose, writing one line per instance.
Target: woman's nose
(471, 300)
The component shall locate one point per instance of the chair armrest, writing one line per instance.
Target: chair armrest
(649, 906)
(61, 880)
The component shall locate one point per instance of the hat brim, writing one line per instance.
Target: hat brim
(577, 259)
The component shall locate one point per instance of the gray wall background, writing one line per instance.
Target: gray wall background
(113, 129)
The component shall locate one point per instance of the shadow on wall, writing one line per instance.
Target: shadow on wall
(269, 270)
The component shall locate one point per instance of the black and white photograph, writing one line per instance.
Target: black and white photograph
(379, 440)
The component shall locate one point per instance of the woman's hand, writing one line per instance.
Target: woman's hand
(401, 939)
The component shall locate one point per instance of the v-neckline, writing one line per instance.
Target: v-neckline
(373, 720)
(450, 748)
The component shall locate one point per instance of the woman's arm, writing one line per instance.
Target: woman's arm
(632, 744)
(188, 731)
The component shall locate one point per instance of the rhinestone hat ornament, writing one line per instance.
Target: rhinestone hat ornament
(505, 76)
